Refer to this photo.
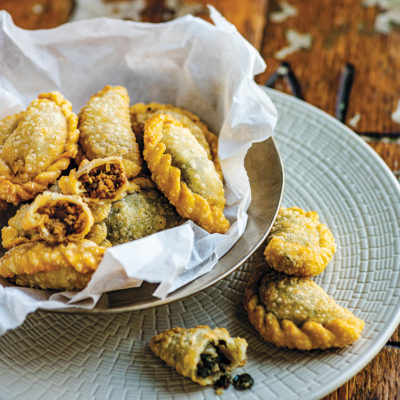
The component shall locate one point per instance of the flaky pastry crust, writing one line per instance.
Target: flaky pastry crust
(295, 312)
(101, 179)
(205, 209)
(106, 130)
(46, 266)
(52, 217)
(38, 149)
(141, 112)
(299, 244)
(182, 349)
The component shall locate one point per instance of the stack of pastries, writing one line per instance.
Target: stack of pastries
(138, 170)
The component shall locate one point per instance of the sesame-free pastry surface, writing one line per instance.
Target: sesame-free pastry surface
(36, 145)
(200, 353)
(53, 217)
(67, 266)
(141, 112)
(183, 172)
(299, 244)
(295, 312)
(105, 129)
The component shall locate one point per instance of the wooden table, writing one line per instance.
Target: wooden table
(342, 32)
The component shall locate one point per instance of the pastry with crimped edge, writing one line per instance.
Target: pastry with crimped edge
(36, 146)
(299, 244)
(53, 217)
(102, 179)
(140, 113)
(105, 129)
(201, 353)
(67, 266)
(295, 312)
(182, 171)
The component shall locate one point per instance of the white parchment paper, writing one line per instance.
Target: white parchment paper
(207, 69)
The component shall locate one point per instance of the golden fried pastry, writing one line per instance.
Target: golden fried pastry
(140, 113)
(105, 129)
(52, 217)
(42, 265)
(37, 146)
(139, 214)
(299, 244)
(201, 353)
(295, 312)
(99, 179)
(182, 171)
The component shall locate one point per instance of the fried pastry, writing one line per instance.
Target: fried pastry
(37, 145)
(299, 244)
(201, 353)
(52, 217)
(295, 312)
(42, 265)
(105, 129)
(140, 113)
(96, 180)
(182, 171)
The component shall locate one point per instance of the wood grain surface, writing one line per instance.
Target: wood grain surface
(342, 32)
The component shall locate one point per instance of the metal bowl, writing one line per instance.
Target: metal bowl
(265, 170)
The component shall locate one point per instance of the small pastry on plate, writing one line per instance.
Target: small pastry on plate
(36, 145)
(182, 170)
(42, 265)
(202, 354)
(295, 312)
(140, 113)
(299, 244)
(53, 217)
(105, 129)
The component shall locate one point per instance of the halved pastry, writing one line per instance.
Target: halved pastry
(295, 312)
(105, 129)
(299, 244)
(140, 113)
(42, 265)
(201, 353)
(52, 217)
(37, 145)
(182, 171)
(96, 180)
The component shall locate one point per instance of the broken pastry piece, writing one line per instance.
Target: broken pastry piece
(52, 217)
(41, 265)
(299, 244)
(140, 113)
(182, 171)
(295, 312)
(36, 146)
(99, 179)
(105, 129)
(201, 353)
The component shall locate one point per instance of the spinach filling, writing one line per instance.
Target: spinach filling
(212, 360)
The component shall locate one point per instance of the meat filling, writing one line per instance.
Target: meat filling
(103, 182)
(213, 361)
(63, 218)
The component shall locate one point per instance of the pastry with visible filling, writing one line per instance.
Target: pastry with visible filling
(201, 353)
(295, 312)
(299, 244)
(140, 113)
(52, 217)
(36, 145)
(105, 129)
(67, 266)
(99, 179)
(182, 171)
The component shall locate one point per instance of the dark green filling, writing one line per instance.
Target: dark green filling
(243, 382)
(211, 363)
(223, 382)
